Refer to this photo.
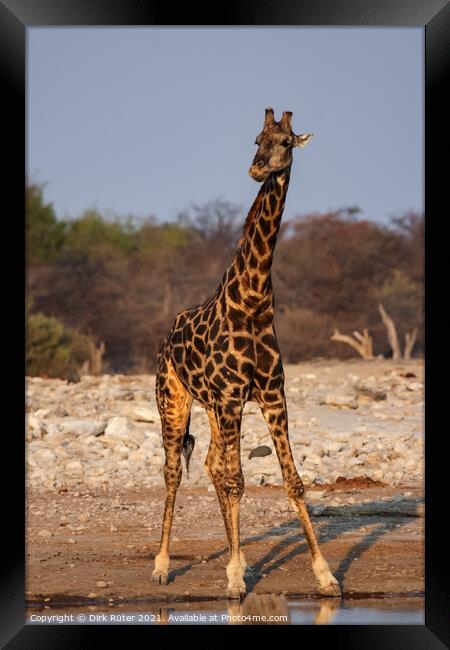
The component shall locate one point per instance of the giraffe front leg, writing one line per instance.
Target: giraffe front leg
(328, 585)
(229, 424)
(236, 567)
(275, 413)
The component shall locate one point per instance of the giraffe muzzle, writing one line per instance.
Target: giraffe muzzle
(259, 171)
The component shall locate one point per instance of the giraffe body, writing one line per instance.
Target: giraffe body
(223, 353)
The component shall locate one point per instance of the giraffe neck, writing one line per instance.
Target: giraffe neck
(250, 273)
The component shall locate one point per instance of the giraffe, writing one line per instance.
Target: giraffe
(223, 353)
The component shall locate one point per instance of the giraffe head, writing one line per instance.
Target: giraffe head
(275, 144)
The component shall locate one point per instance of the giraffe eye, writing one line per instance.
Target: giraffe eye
(286, 143)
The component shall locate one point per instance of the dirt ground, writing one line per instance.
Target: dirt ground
(97, 547)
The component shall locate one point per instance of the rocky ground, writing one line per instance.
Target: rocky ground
(346, 419)
(95, 492)
(94, 549)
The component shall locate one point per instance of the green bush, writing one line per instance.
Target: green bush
(403, 298)
(44, 232)
(93, 234)
(52, 349)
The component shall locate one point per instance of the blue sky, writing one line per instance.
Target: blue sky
(147, 121)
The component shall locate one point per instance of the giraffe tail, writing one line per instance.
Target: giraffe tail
(188, 445)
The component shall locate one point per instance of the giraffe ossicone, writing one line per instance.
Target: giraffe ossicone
(224, 353)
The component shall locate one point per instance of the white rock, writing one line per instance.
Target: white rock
(120, 429)
(400, 447)
(415, 385)
(98, 467)
(142, 413)
(331, 446)
(45, 456)
(355, 461)
(152, 439)
(312, 459)
(35, 426)
(355, 443)
(82, 427)
(74, 468)
(121, 451)
(307, 476)
(138, 456)
(118, 426)
(341, 437)
(341, 401)
(41, 413)
(373, 458)
(316, 495)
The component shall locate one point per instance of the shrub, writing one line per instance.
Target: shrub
(44, 233)
(52, 349)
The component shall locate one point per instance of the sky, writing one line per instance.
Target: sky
(148, 121)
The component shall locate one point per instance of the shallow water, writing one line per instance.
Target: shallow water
(344, 614)
(326, 611)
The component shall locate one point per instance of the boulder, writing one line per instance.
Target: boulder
(415, 386)
(340, 401)
(34, 427)
(45, 457)
(141, 413)
(74, 468)
(81, 427)
(120, 429)
(370, 392)
(259, 452)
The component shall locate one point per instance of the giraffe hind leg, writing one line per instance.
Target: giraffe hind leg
(174, 405)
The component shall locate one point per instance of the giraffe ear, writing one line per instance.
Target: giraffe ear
(302, 139)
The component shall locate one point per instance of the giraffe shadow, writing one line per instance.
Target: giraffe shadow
(276, 557)
(289, 532)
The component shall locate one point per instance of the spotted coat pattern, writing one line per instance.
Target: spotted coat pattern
(223, 353)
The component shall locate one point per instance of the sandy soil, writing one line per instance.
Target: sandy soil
(92, 548)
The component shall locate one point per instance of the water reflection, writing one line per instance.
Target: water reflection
(255, 609)
(269, 609)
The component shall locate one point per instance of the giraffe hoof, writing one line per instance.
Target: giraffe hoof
(235, 593)
(160, 578)
(332, 589)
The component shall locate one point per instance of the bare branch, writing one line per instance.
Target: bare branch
(364, 347)
(93, 365)
(410, 339)
(391, 332)
(358, 336)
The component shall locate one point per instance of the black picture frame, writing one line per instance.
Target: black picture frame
(18, 15)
